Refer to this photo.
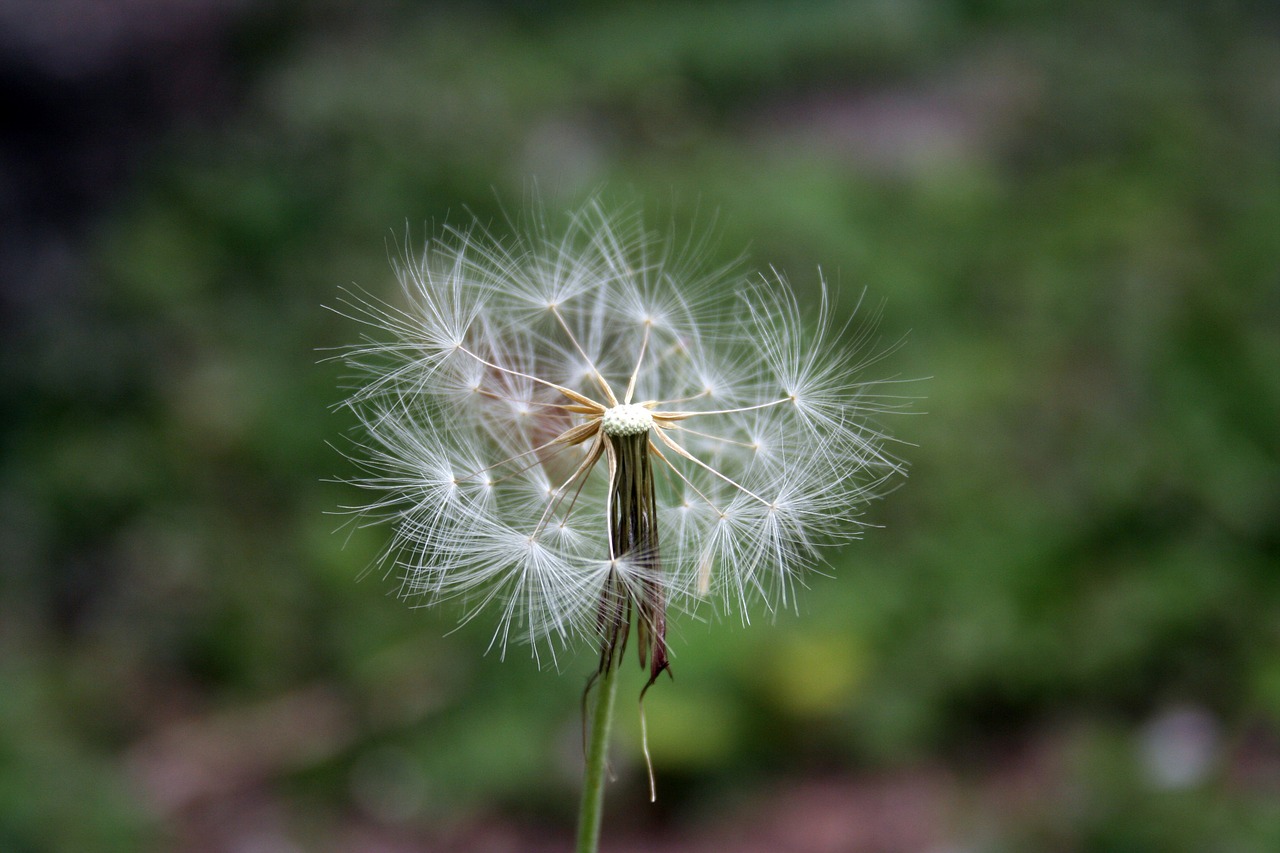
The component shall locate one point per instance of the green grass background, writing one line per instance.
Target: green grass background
(1071, 211)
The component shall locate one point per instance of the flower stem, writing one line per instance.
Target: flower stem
(592, 808)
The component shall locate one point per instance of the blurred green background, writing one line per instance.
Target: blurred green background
(1066, 637)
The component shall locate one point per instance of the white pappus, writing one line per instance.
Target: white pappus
(577, 432)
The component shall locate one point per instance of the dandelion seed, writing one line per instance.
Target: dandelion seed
(573, 395)
(572, 434)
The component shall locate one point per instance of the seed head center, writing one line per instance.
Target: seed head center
(627, 419)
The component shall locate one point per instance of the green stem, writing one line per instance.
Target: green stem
(592, 808)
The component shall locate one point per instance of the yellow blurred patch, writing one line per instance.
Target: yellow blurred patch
(811, 675)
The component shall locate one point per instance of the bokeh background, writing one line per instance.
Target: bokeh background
(1066, 635)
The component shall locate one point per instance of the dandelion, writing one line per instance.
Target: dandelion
(580, 434)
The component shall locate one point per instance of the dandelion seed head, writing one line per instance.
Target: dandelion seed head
(627, 419)
(490, 396)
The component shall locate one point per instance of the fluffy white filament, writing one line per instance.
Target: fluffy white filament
(488, 395)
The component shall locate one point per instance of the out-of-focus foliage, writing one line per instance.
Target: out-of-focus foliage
(1073, 217)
